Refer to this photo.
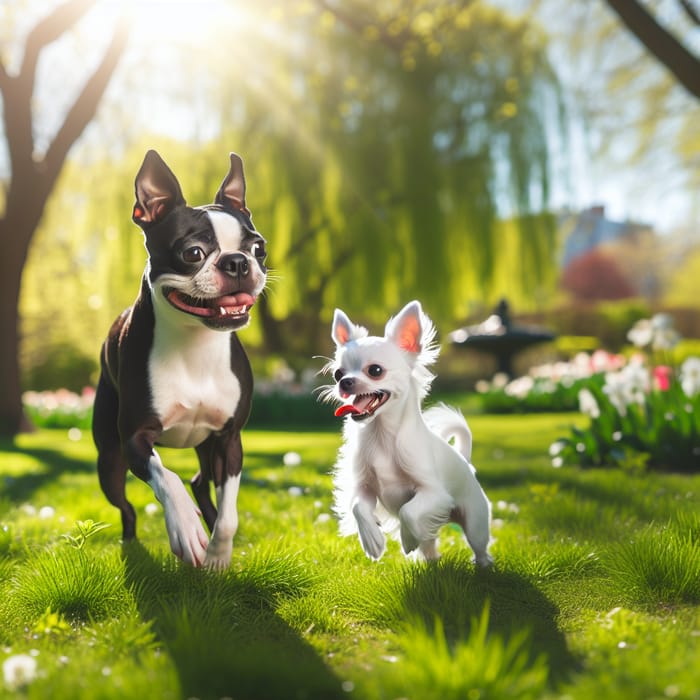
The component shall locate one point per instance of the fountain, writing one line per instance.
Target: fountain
(499, 337)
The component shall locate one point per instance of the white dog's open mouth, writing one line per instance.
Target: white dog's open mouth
(364, 405)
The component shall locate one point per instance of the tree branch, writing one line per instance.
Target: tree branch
(661, 43)
(690, 10)
(85, 106)
(48, 30)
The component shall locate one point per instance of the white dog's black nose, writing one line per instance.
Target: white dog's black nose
(347, 385)
(234, 264)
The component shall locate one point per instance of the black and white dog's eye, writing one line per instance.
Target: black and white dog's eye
(193, 255)
(375, 371)
(258, 250)
(338, 375)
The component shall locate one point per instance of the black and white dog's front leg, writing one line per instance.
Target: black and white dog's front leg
(220, 459)
(187, 537)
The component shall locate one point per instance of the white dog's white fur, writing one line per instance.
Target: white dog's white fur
(397, 469)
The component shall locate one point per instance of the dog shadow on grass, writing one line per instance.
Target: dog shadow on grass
(222, 633)
(56, 464)
(456, 594)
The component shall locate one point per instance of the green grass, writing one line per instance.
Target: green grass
(595, 593)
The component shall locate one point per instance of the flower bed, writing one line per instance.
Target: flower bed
(59, 409)
(549, 387)
(645, 414)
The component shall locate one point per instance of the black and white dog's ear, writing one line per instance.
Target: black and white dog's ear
(231, 194)
(157, 191)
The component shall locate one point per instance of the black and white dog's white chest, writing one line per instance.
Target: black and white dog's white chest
(193, 389)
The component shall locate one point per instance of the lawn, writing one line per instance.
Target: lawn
(595, 592)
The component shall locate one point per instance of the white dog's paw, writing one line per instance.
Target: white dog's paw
(373, 542)
(429, 550)
(371, 537)
(483, 559)
(409, 542)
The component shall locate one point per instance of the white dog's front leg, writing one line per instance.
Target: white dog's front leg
(188, 541)
(221, 544)
(422, 517)
(371, 537)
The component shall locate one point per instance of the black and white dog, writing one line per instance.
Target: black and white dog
(173, 371)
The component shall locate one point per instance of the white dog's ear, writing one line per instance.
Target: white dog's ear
(344, 330)
(406, 328)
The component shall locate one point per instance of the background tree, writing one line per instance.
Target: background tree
(595, 276)
(33, 176)
(637, 122)
(406, 156)
(412, 130)
(661, 42)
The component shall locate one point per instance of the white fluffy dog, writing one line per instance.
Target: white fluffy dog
(397, 463)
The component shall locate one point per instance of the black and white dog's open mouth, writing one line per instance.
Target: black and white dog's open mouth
(229, 305)
(364, 405)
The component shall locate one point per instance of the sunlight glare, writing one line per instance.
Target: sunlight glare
(177, 20)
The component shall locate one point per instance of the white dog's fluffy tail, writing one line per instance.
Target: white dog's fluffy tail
(449, 423)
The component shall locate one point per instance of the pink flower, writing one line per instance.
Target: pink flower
(662, 377)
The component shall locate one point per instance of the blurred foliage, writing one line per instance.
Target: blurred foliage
(393, 150)
(634, 110)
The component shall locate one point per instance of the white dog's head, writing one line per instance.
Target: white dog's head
(373, 375)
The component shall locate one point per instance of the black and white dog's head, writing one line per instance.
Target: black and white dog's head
(206, 264)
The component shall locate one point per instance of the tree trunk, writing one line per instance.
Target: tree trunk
(14, 253)
(33, 180)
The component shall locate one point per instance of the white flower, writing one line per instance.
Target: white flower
(556, 447)
(587, 404)
(520, 387)
(690, 376)
(151, 508)
(46, 512)
(658, 332)
(19, 670)
(641, 334)
(291, 459)
(630, 385)
(500, 379)
(638, 381)
(616, 390)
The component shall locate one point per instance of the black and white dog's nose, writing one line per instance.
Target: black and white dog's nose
(234, 264)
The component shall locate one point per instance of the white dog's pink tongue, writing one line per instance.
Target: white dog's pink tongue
(358, 407)
(345, 409)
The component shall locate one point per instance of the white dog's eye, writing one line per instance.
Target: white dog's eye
(375, 371)
(338, 375)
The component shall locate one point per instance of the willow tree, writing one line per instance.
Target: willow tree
(393, 150)
(395, 143)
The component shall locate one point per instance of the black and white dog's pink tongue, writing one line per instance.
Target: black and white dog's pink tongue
(345, 409)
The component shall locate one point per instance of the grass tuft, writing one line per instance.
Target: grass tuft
(80, 586)
(479, 664)
(657, 566)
